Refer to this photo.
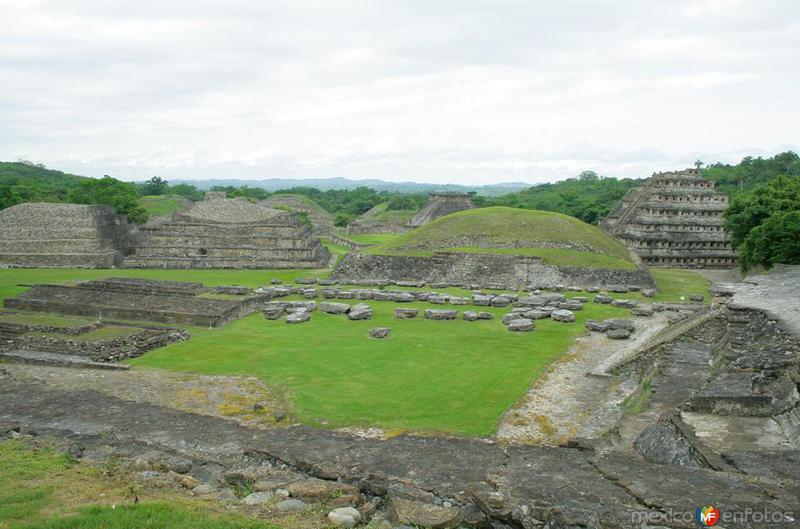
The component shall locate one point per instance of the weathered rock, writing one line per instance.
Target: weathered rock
(551, 297)
(334, 308)
(257, 498)
(618, 334)
(469, 315)
(313, 489)
(603, 299)
(619, 323)
(599, 326)
(273, 312)
(642, 312)
(379, 332)
(204, 489)
(329, 293)
(419, 514)
(571, 304)
(649, 292)
(364, 294)
(344, 517)
(345, 294)
(189, 482)
(300, 316)
(455, 300)
(500, 301)
(440, 314)
(405, 314)
(404, 297)
(520, 325)
(535, 314)
(485, 316)
(580, 299)
(310, 293)
(696, 297)
(562, 315)
(291, 505)
(508, 318)
(438, 300)
(482, 300)
(624, 303)
(360, 311)
(617, 288)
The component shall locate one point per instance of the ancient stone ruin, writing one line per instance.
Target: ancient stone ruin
(439, 205)
(136, 299)
(44, 235)
(321, 220)
(229, 233)
(674, 219)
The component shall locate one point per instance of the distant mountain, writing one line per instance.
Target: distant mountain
(274, 184)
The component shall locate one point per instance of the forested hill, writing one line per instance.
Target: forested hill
(752, 172)
(27, 182)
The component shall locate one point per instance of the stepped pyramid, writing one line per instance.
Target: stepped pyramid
(674, 219)
(439, 205)
(46, 235)
(229, 233)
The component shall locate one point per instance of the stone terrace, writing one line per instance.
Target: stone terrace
(147, 300)
(229, 233)
(45, 235)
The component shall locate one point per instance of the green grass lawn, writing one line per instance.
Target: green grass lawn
(429, 376)
(515, 231)
(160, 205)
(41, 489)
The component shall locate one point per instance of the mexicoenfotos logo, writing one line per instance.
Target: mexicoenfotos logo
(707, 516)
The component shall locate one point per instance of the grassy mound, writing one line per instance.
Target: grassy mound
(296, 203)
(161, 205)
(558, 239)
(380, 213)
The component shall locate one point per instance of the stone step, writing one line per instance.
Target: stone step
(57, 359)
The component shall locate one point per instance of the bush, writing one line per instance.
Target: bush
(765, 223)
(112, 192)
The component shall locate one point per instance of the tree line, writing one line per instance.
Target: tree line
(763, 218)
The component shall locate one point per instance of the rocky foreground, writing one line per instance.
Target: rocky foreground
(737, 371)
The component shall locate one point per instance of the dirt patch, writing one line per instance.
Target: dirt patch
(246, 400)
(564, 398)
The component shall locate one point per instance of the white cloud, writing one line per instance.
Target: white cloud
(467, 91)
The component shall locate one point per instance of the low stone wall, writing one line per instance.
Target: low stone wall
(107, 300)
(482, 269)
(341, 241)
(110, 350)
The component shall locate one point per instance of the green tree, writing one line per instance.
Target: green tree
(112, 192)
(155, 186)
(9, 197)
(764, 223)
(341, 220)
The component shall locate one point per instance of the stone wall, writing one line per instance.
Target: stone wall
(108, 350)
(439, 205)
(103, 301)
(45, 235)
(674, 219)
(481, 269)
(321, 220)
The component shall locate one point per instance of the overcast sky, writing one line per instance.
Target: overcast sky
(433, 91)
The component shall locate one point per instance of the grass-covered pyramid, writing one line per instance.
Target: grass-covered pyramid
(558, 239)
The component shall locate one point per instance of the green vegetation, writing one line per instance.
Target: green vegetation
(42, 489)
(752, 172)
(162, 205)
(588, 197)
(637, 402)
(509, 230)
(674, 283)
(765, 223)
(45, 319)
(112, 192)
(431, 376)
(454, 376)
(29, 182)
